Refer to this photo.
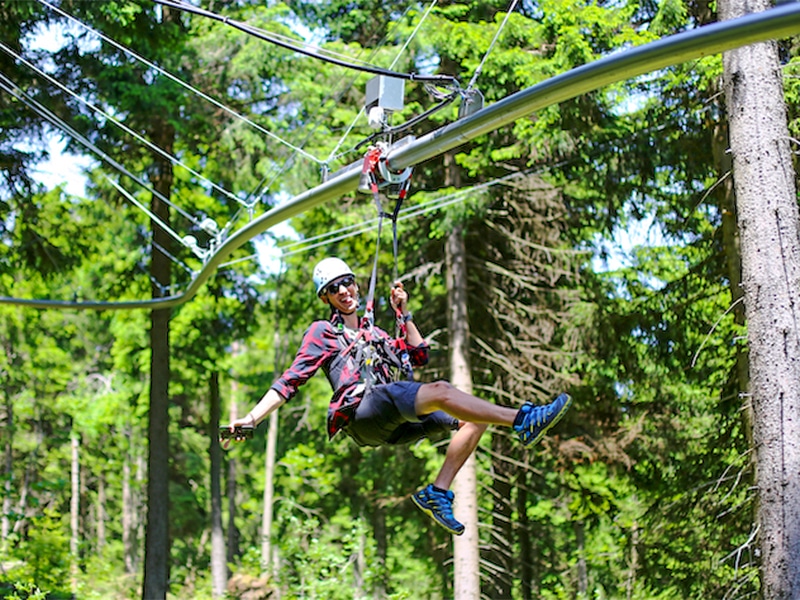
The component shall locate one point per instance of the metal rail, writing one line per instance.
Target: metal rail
(775, 23)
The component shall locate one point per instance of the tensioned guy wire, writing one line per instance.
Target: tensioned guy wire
(491, 45)
(187, 86)
(406, 213)
(10, 87)
(174, 160)
(333, 155)
(153, 217)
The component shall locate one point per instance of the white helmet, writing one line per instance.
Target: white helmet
(329, 269)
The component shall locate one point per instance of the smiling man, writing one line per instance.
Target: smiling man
(372, 409)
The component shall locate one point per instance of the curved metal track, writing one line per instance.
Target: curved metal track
(775, 23)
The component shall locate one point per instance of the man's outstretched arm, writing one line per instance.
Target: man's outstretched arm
(269, 403)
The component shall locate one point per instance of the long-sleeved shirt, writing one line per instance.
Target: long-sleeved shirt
(326, 345)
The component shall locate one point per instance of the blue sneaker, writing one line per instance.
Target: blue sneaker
(438, 505)
(534, 421)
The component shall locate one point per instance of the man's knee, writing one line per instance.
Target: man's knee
(433, 396)
(440, 389)
(479, 428)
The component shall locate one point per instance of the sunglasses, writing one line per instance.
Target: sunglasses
(333, 288)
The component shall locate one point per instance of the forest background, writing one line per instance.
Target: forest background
(114, 484)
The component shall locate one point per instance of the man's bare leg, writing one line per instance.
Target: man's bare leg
(436, 499)
(440, 395)
(461, 446)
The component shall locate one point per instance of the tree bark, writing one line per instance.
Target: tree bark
(156, 567)
(633, 565)
(8, 470)
(269, 473)
(582, 571)
(230, 488)
(466, 555)
(128, 511)
(726, 202)
(769, 225)
(269, 493)
(501, 546)
(381, 551)
(526, 557)
(74, 510)
(219, 566)
(101, 512)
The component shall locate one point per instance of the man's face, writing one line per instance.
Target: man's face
(342, 294)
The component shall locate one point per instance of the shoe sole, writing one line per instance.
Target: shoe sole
(429, 512)
(552, 423)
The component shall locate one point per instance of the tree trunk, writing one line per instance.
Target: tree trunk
(769, 226)
(101, 512)
(139, 504)
(230, 490)
(633, 565)
(501, 546)
(8, 470)
(22, 505)
(128, 512)
(156, 567)
(726, 202)
(582, 572)
(269, 473)
(269, 488)
(466, 556)
(219, 566)
(74, 511)
(526, 573)
(381, 551)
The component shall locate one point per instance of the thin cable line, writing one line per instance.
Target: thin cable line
(236, 261)
(350, 231)
(10, 87)
(488, 51)
(4, 86)
(153, 217)
(288, 162)
(412, 211)
(332, 156)
(186, 85)
(295, 42)
(413, 33)
(175, 161)
(404, 215)
(170, 256)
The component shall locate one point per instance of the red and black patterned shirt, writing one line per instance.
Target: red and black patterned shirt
(329, 346)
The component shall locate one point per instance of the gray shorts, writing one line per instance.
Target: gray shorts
(386, 415)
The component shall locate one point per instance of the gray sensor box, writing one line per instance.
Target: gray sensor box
(386, 92)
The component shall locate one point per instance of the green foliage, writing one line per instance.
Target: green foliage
(22, 591)
(102, 576)
(320, 562)
(45, 555)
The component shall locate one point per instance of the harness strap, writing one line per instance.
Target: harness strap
(373, 161)
(369, 169)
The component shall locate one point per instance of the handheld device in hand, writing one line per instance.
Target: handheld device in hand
(242, 432)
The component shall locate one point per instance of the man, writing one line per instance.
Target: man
(372, 409)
